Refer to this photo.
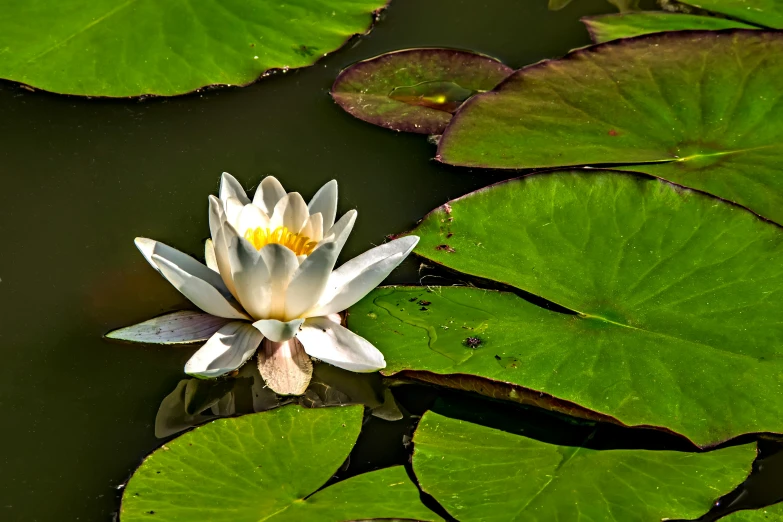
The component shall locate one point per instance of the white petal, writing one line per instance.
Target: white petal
(231, 188)
(251, 278)
(222, 241)
(183, 327)
(233, 207)
(150, 248)
(341, 230)
(209, 255)
(201, 293)
(282, 265)
(268, 193)
(250, 218)
(290, 212)
(330, 342)
(325, 202)
(309, 280)
(216, 215)
(225, 351)
(278, 331)
(356, 278)
(285, 367)
(314, 227)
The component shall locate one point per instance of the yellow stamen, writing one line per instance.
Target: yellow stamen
(299, 244)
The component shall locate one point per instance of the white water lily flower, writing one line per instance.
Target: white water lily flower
(270, 274)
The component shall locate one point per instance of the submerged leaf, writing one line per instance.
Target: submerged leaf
(610, 27)
(516, 478)
(284, 458)
(112, 48)
(415, 90)
(700, 108)
(676, 300)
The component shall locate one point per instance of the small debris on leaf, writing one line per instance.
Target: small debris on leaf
(472, 342)
(447, 248)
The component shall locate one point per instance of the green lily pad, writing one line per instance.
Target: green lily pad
(610, 27)
(764, 13)
(268, 466)
(675, 298)
(517, 478)
(415, 90)
(773, 513)
(702, 107)
(135, 47)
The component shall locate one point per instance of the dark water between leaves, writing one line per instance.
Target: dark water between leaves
(82, 178)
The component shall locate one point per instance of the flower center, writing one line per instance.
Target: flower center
(260, 237)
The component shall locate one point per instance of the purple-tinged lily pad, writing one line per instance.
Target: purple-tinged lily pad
(415, 90)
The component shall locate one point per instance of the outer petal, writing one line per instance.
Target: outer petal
(352, 281)
(268, 193)
(183, 327)
(285, 367)
(278, 331)
(330, 342)
(201, 293)
(325, 202)
(231, 188)
(150, 248)
(225, 351)
(341, 230)
(309, 280)
(251, 278)
(223, 240)
(209, 255)
(251, 217)
(216, 215)
(290, 212)
(282, 265)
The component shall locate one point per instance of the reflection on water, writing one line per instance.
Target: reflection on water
(196, 401)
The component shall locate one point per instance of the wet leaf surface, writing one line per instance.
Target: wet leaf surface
(268, 466)
(610, 27)
(135, 47)
(764, 13)
(518, 478)
(676, 297)
(415, 90)
(703, 108)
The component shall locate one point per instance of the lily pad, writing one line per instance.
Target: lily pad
(268, 466)
(184, 327)
(518, 478)
(675, 298)
(130, 48)
(702, 108)
(773, 513)
(415, 90)
(610, 27)
(764, 13)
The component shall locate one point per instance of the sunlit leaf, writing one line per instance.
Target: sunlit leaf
(773, 513)
(129, 48)
(267, 466)
(610, 27)
(702, 107)
(765, 13)
(675, 300)
(482, 474)
(415, 90)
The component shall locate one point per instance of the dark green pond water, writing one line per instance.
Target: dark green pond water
(82, 178)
